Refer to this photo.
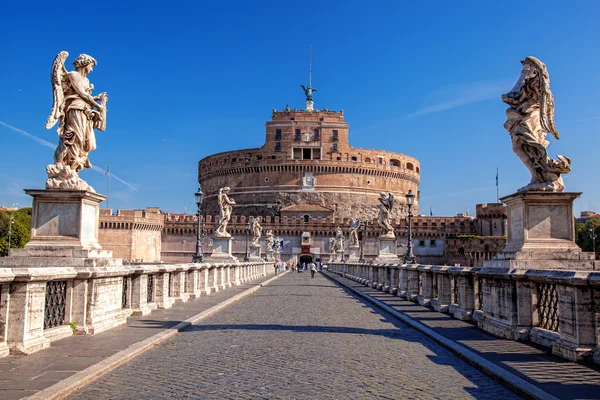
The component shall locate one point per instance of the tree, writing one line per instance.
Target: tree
(21, 225)
(584, 234)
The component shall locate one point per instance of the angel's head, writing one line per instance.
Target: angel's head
(85, 61)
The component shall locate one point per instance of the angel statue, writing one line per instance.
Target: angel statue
(308, 92)
(225, 208)
(256, 230)
(353, 231)
(529, 119)
(277, 245)
(385, 211)
(332, 245)
(270, 240)
(79, 114)
(339, 239)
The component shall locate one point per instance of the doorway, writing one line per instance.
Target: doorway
(305, 259)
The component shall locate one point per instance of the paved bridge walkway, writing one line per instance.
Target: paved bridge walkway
(297, 338)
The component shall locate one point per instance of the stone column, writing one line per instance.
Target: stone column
(179, 290)
(205, 287)
(194, 286)
(426, 295)
(465, 303)
(413, 284)
(402, 281)
(162, 298)
(139, 295)
(444, 291)
(577, 314)
(26, 318)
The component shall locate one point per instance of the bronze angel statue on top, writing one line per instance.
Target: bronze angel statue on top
(78, 114)
(530, 119)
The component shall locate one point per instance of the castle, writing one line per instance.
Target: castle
(304, 182)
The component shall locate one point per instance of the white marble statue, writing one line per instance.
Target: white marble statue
(269, 240)
(385, 211)
(529, 119)
(332, 245)
(353, 232)
(225, 208)
(339, 239)
(78, 115)
(256, 231)
(277, 245)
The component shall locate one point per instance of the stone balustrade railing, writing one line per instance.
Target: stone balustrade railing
(553, 308)
(40, 305)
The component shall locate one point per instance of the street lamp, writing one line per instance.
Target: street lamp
(594, 236)
(361, 228)
(409, 257)
(247, 256)
(199, 257)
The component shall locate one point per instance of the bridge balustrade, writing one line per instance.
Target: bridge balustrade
(40, 305)
(558, 309)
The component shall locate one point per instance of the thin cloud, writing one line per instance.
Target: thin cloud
(103, 172)
(29, 135)
(462, 95)
(53, 146)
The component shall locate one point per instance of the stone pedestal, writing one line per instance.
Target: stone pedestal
(310, 106)
(254, 253)
(353, 254)
(270, 255)
(541, 233)
(222, 250)
(64, 223)
(386, 251)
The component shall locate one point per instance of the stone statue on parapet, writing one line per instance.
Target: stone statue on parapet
(339, 239)
(256, 230)
(78, 114)
(277, 245)
(529, 119)
(308, 92)
(385, 212)
(269, 239)
(225, 209)
(332, 245)
(353, 232)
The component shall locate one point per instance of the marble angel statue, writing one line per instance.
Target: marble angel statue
(385, 212)
(78, 114)
(256, 231)
(353, 232)
(332, 245)
(270, 241)
(339, 239)
(529, 119)
(225, 209)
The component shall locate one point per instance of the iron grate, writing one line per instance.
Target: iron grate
(548, 306)
(150, 290)
(125, 298)
(56, 299)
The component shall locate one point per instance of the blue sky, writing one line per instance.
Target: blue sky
(188, 79)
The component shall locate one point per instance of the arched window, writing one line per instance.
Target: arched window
(418, 170)
(410, 166)
(367, 159)
(395, 163)
(306, 218)
(353, 158)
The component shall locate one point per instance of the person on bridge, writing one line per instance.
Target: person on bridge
(313, 269)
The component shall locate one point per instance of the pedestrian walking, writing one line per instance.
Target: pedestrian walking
(313, 269)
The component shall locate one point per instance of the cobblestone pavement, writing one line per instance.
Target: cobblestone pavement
(297, 338)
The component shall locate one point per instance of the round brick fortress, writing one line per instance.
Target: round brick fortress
(307, 167)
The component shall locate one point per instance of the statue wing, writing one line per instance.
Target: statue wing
(391, 200)
(58, 75)
(547, 107)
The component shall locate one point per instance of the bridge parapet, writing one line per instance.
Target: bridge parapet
(553, 308)
(41, 304)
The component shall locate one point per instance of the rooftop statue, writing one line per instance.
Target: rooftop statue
(308, 92)
(529, 119)
(225, 208)
(78, 115)
(384, 218)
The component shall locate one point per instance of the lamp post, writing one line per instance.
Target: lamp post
(409, 257)
(361, 228)
(247, 256)
(199, 257)
(594, 236)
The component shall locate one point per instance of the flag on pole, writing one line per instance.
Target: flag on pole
(496, 176)
(107, 170)
(430, 211)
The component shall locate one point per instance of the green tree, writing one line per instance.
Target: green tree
(21, 225)
(584, 232)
